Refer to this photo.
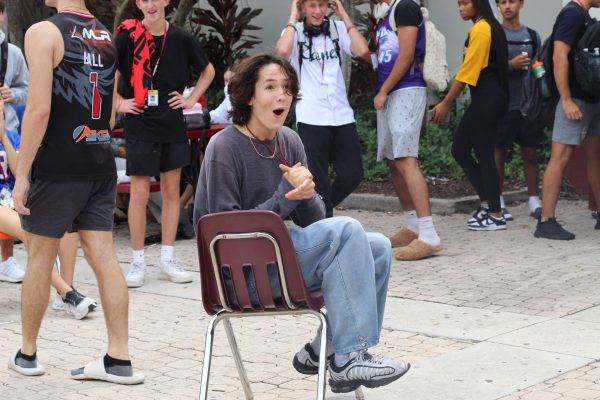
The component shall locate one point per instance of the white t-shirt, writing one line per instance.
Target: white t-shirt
(324, 68)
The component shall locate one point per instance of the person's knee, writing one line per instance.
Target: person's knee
(407, 165)
(381, 247)
(529, 155)
(170, 196)
(139, 196)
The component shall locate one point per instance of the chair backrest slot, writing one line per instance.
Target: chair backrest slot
(255, 249)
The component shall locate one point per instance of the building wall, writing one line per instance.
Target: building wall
(538, 14)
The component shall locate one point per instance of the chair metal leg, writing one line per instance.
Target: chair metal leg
(238, 359)
(208, 348)
(322, 358)
(57, 264)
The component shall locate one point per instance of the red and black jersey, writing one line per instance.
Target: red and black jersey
(76, 145)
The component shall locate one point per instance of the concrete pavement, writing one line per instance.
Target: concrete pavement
(496, 316)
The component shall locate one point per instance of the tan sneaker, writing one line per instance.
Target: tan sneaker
(416, 250)
(403, 237)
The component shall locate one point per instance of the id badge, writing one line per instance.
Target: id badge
(322, 91)
(152, 98)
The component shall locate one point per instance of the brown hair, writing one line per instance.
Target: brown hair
(2, 5)
(242, 85)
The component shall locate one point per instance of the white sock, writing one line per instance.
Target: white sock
(534, 202)
(412, 221)
(427, 232)
(166, 253)
(502, 203)
(485, 205)
(138, 256)
(341, 359)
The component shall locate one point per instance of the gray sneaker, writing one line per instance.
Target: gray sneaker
(78, 305)
(365, 369)
(24, 367)
(306, 361)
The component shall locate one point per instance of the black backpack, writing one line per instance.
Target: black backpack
(586, 60)
(535, 107)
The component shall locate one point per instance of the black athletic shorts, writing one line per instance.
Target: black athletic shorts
(151, 158)
(514, 128)
(69, 206)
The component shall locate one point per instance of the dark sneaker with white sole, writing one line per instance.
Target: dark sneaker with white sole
(306, 361)
(365, 369)
(78, 304)
(537, 213)
(489, 223)
(478, 215)
(551, 229)
(507, 215)
(597, 227)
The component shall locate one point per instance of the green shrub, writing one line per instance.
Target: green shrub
(436, 140)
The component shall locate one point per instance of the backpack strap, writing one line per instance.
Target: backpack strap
(534, 43)
(301, 41)
(335, 38)
(3, 60)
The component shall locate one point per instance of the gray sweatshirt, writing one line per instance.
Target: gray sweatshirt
(17, 78)
(234, 177)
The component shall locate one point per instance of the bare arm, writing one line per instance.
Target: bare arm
(358, 44)
(11, 154)
(560, 59)
(285, 44)
(43, 43)
(407, 40)
(178, 101)
(441, 110)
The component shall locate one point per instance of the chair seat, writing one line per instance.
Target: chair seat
(126, 187)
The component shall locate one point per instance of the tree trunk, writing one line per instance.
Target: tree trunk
(123, 9)
(21, 15)
(182, 12)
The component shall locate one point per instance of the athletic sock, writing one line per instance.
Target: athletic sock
(412, 221)
(341, 359)
(427, 232)
(138, 256)
(316, 344)
(166, 253)
(502, 203)
(534, 203)
(485, 205)
(114, 366)
(26, 357)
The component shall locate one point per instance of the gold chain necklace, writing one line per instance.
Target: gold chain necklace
(256, 150)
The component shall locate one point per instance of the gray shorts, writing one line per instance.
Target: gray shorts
(58, 207)
(572, 132)
(399, 125)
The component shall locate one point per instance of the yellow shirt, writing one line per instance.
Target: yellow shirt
(477, 57)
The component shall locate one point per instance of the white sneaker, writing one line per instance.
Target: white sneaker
(11, 271)
(172, 271)
(58, 304)
(135, 276)
(365, 369)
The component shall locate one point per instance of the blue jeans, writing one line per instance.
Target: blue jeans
(352, 268)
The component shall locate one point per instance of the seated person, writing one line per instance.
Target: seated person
(260, 164)
(67, 298)
(220, 115)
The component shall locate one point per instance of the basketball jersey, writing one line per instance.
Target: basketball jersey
(76, 144)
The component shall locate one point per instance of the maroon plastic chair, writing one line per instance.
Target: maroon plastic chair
(236, 249)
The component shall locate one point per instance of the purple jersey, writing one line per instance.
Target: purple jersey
(388, 50)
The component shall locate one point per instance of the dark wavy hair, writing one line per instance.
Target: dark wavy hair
(243, 84)
(499, 45)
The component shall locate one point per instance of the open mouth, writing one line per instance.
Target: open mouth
(279, 111)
